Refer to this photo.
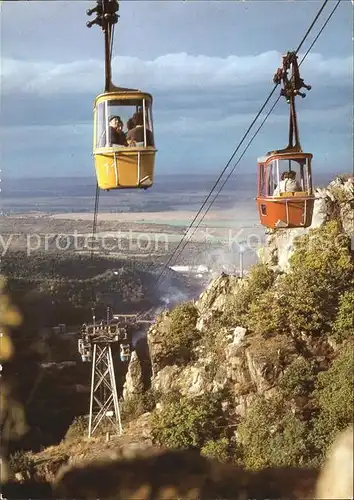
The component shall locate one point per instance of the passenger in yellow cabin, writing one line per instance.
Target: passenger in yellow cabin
(137, 133)
(130, 126)
(116, 136)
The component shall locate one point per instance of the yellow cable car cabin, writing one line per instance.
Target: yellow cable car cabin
(285, 198)
(123, 143)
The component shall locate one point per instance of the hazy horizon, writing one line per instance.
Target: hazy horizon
(316, 173)
(170, 193)
(158, 176)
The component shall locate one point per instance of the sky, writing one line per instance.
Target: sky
(208, 64)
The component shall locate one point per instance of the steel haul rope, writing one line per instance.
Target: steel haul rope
(261, 125)
(242, 140)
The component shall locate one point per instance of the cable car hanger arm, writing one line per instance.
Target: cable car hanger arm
(106, 18)
(291, 89)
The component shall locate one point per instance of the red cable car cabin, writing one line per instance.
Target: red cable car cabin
(285, 198)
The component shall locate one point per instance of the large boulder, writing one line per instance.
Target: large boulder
(134, 384)
(155, 335)
(213, 299)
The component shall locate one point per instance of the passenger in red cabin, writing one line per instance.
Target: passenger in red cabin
(288, 184)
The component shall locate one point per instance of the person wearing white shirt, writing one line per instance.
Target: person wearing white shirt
(288, 184)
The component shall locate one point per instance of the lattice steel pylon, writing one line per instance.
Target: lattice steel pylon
(95, 345)
(104, 405)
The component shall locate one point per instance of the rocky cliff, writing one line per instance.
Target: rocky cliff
(231, 355)
(262, 343)
(256, 373)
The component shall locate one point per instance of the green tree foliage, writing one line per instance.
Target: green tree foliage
(271, 435)
(306, 300)
(181, 335)
(321, 270)
(299, 378)
(136, 405)
(334, 396)
(259, 280)
(188, 422)
(266, 316)
(222, 449)
(343, 325)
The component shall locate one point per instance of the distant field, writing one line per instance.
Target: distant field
(42, 214)
(168, 216)
(219, 218)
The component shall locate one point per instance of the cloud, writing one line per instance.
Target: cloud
(44, 139)
(203, 101)
(188, 126)
(172, 72)
(186, 88)
(56, 30)
(193, 124)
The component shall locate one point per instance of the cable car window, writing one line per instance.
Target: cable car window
(262, 183)
(150, 121)
(308, 175)
(124, 123)
(100, 126)
(275, 177)
(270, 178)
(305, 172)
(294, 174)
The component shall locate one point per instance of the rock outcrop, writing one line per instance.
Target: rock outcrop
(158, 354)
(134, 384)
(212, 300)
(246, 365)
(230, 358)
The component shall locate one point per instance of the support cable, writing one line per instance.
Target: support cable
(244, 137)
(257, 131)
